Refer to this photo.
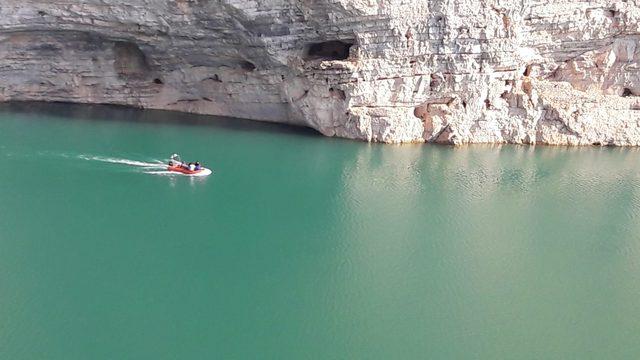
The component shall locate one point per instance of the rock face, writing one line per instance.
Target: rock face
(447, 71)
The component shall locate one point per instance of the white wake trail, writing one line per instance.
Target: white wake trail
(157, 164)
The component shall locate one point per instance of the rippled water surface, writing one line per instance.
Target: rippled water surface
(301, 247)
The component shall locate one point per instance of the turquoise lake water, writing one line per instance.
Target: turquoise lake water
(305, 247)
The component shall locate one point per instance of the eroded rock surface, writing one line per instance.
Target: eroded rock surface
(447, 71)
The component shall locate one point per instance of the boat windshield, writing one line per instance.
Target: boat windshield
(176, 158)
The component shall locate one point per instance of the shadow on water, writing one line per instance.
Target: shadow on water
(95, 112)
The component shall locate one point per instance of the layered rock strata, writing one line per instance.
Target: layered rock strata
(446, 71)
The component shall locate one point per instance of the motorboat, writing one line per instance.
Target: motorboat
(176, 165)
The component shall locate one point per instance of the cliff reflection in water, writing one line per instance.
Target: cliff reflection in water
(483, 235)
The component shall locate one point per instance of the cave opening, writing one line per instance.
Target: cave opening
(248, 65)
(130, 61)
(626, 92)
(329, 50)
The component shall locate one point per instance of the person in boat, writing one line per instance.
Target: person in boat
(175, 161)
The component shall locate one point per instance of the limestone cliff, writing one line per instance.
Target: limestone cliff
(448, 71)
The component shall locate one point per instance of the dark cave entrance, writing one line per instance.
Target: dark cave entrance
(329, 50)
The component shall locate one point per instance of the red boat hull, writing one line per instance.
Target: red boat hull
(180, 169)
